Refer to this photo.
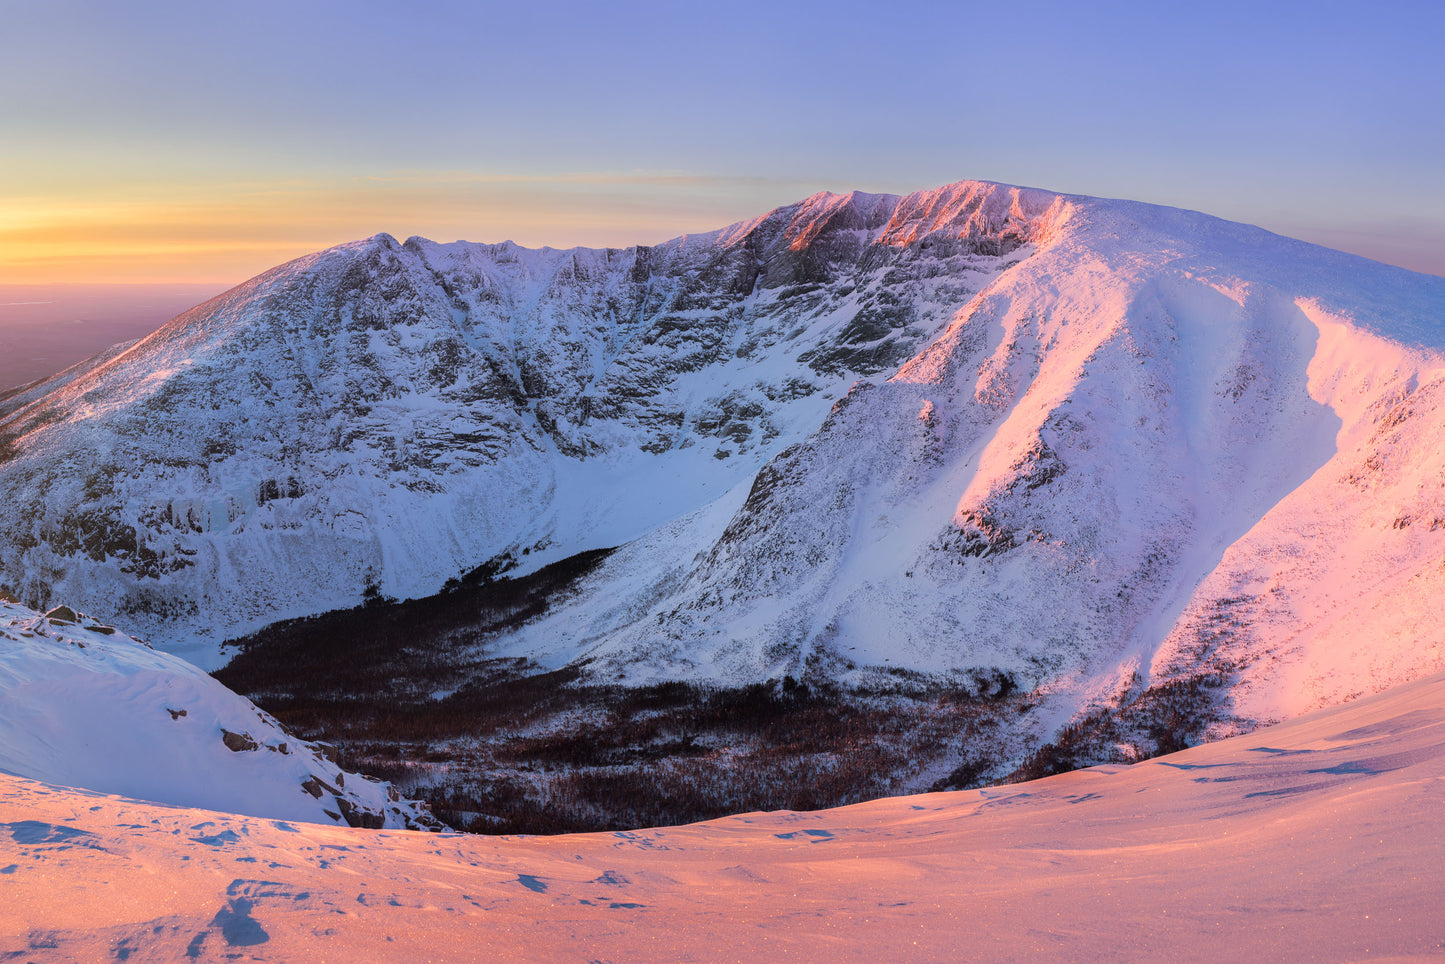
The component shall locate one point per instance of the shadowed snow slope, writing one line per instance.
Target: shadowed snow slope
(1316, 839)
(1103, 447)
(86, 706)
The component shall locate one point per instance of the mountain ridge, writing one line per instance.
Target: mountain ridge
(859, 433)
(530, 374)
(1248, 330)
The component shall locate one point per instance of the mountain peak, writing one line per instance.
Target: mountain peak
(1061, 460)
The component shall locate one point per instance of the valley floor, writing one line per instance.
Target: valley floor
(1315, 839)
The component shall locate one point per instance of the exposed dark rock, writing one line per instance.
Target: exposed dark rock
(1038, 466)
(63, 615)
(239, 742)
(315, 786)
(360, 816)
(979, 533)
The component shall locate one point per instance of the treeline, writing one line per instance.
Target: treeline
(549, 756)
(406, 647)
(406, 692)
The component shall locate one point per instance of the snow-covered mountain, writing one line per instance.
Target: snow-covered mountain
(1160, 449)
(1103, 447)
(392, 415)
(85, 705)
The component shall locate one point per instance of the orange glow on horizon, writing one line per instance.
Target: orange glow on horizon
(226, 233)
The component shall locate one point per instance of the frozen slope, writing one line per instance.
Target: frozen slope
(83, 705)
(1316, 839)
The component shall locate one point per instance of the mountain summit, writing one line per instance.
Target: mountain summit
(1096, 448)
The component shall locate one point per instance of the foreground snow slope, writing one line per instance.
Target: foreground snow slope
(86, 706)
(1316, 839)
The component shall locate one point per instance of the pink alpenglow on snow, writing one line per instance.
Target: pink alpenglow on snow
(1315, 839)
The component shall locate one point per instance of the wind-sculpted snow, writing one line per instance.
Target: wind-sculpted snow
(392, 415)
(85, 705)
(1314, 840)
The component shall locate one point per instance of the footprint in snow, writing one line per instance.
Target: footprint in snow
(238, 927)
(820, 834)
(534, 884)
(32, 832)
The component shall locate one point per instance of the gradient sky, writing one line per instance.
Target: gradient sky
(200, 141)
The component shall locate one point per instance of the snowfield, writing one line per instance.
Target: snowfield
(1315, 839)
(84, 705)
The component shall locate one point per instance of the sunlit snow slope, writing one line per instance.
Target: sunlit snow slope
(1162, 449)
(84, 705)
(1317, 839)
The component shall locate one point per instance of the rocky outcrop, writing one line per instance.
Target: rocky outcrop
(238, 742)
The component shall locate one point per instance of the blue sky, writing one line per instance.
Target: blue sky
(199, 141)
